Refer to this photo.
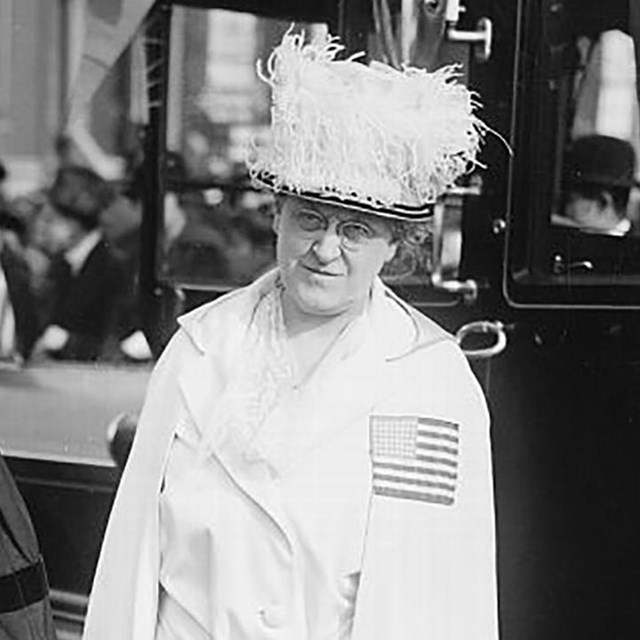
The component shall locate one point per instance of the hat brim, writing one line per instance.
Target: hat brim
(395, 212)
(601, 181)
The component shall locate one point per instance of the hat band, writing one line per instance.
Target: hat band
(396, 211)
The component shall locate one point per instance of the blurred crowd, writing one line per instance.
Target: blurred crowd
(65, 292)
(70, 251)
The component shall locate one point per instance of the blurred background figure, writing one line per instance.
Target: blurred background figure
(212, 235)
(18, 315)
(18, 310)
(26, 209)
(192, 245)
(86, 282)
(3, 179)
(600, 172)
(120, 223)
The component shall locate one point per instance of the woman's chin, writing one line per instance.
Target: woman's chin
(320, 307)
(318, 303)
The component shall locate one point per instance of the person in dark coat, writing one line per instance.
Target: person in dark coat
(86, 281)
(25, 606)
(18, 310)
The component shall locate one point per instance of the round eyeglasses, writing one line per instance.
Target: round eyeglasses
(353, 234)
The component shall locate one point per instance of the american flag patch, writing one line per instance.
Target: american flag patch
(414, 458)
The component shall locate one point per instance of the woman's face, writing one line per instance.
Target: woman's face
(329, 255)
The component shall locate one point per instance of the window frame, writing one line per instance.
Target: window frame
(545, 32)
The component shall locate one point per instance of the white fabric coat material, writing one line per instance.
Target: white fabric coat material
(427, 570)
(317, 473)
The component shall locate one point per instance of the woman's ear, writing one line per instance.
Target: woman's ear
(392, 249)
(275, 223)
(277, 214)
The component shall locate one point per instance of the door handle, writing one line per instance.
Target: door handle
(482, 36)
(484, 327)
(466, 289)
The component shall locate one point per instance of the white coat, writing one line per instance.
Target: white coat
(428, 569)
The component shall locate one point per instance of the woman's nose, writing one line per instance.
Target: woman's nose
(327, 247)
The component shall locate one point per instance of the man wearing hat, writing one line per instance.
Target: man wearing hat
(599, 174)
(86, 281)
(312, 461)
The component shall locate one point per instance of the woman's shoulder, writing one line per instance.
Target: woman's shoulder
(226, 314)
(403, 329)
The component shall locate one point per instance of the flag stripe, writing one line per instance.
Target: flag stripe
(434, 422)
(395, 486)
(434, 460)
(380, 464)
(415, 495)
(416, 420)
(436, 447)
(432, 435)
(410, 482)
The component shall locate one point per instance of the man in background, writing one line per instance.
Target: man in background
(86, 281)
(596, 233)
(599, 172)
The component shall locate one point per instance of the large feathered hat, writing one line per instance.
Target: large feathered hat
(370, 137)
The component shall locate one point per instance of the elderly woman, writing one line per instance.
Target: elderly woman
(312, 461)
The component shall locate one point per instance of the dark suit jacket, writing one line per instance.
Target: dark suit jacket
(18, 277)
(88, 303)
(25, 606)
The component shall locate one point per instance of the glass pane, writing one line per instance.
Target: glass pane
(573, 233)
(69, 247)
(217, 227)
(594, 221)
(69, 261)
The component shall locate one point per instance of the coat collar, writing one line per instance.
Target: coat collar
(78, 255)
(206, 324)
(217, 331)
(399, 328)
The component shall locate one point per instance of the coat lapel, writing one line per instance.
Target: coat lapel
(201, 383)
(349, 391)
(205, 386)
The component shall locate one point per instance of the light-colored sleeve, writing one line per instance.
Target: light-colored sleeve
(124, 593)
(429, 570)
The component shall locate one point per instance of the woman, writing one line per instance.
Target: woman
(312, 461)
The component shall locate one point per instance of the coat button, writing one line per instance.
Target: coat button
(273, 616)
(253, 456)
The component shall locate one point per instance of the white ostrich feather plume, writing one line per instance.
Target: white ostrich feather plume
(370, 134)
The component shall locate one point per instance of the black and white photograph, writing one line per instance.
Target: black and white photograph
(319, 320)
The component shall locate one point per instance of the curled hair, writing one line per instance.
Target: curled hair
(413, 253)
(409, 232)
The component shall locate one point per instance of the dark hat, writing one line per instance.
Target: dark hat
(600, 160)
(81, 194)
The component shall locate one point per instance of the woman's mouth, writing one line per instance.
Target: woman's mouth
(321, 272)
